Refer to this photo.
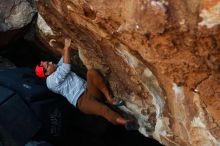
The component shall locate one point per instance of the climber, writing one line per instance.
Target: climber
(83, 95)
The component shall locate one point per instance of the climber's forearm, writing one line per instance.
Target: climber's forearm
(66, 52)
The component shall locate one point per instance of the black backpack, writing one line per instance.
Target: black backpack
(17, 122)
(24, 82)
(28, 110)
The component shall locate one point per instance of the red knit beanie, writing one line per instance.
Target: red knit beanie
(40, 71)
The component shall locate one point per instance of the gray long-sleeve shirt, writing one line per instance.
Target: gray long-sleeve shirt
(65, 82)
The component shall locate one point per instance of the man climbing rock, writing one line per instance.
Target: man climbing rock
(83, 95)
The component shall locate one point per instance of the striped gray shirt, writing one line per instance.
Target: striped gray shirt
(65, 82)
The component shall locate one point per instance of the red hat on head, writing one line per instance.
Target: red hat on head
(40, 71)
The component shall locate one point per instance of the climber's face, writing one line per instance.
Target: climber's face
(49, 67)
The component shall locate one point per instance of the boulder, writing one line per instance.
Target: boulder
(15, 15)
(162, 57)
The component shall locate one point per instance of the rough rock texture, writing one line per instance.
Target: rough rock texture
(15, 15)
(161, 56)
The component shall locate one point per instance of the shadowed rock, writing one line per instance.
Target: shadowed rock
(161, 56)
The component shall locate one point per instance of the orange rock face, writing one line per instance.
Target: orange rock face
(161, 56)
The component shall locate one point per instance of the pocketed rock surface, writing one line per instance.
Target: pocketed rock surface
(161, 56)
